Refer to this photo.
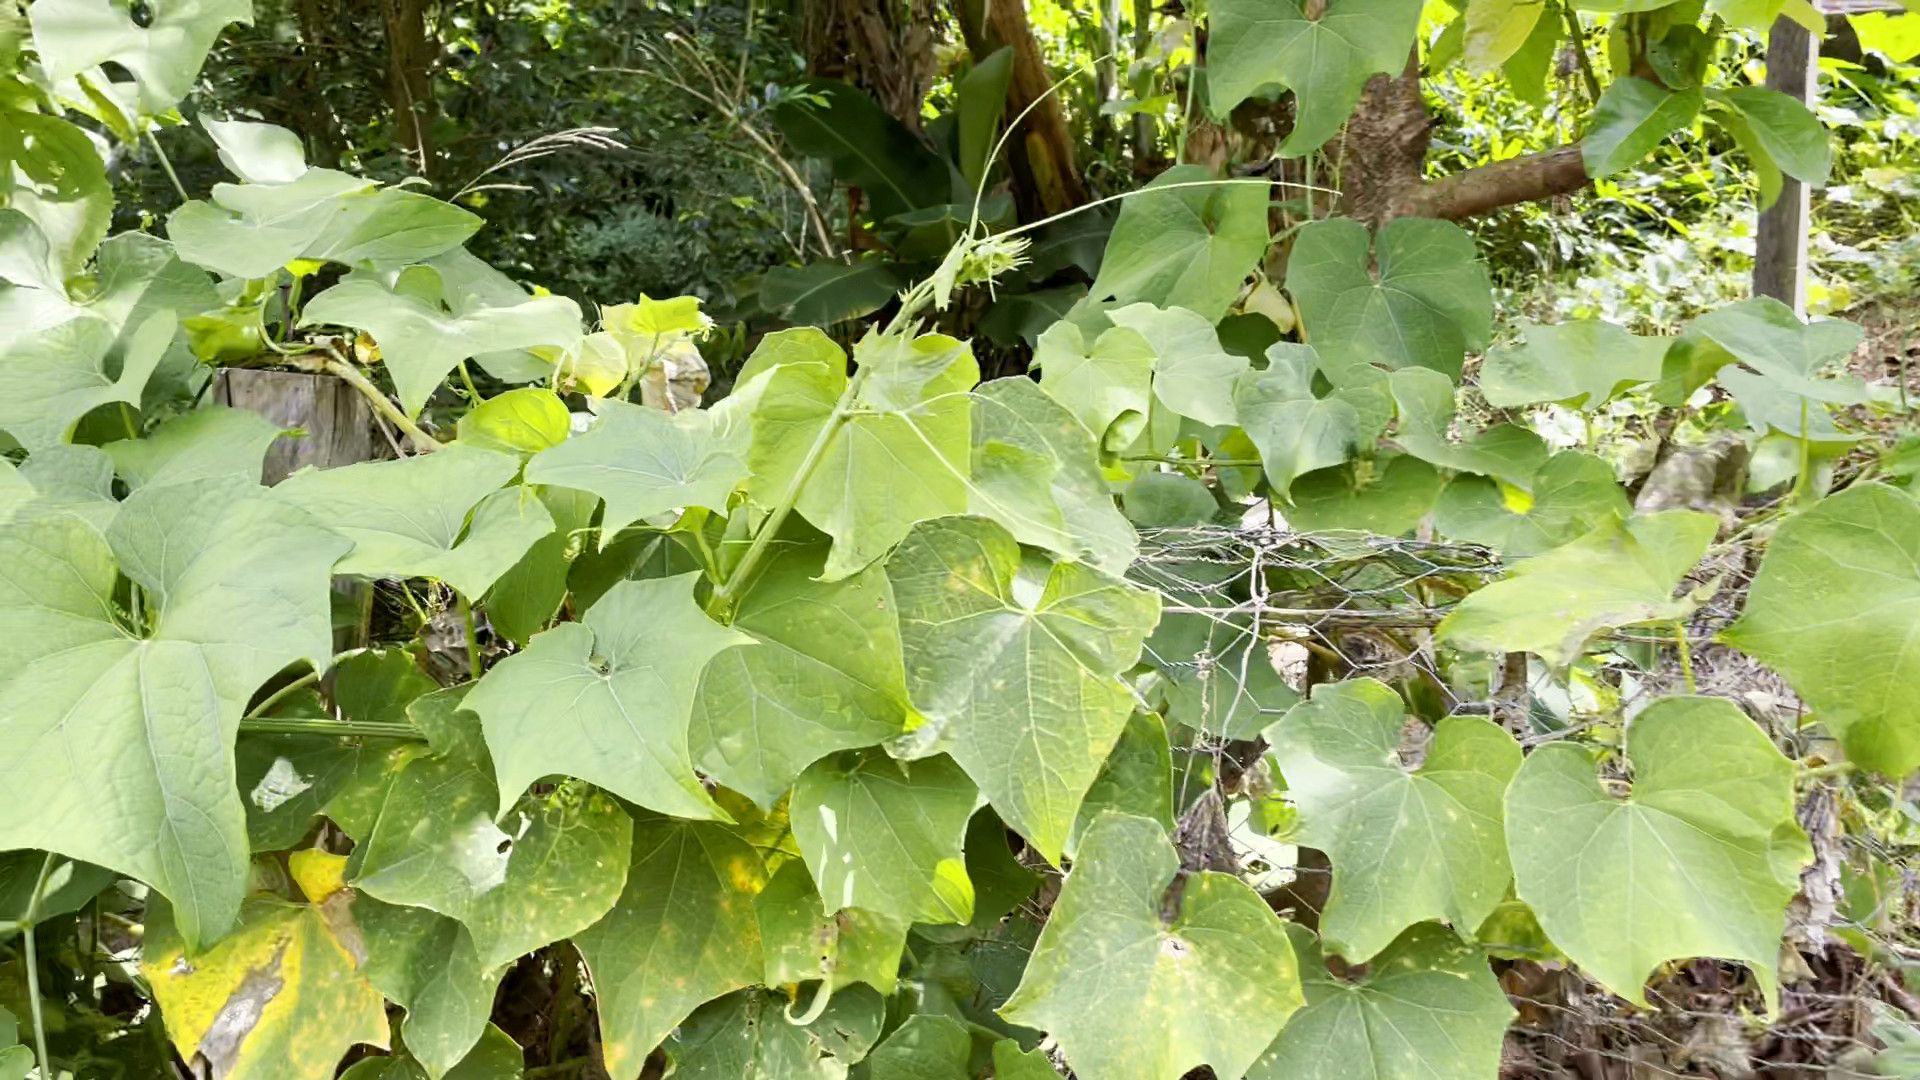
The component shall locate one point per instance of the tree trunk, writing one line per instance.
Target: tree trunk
(410, 54)
(884, 47)
(1383, 154)
(1046, 172)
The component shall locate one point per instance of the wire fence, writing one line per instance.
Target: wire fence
(1322, 606)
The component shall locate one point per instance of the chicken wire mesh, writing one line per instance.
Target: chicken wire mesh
(1263, 601)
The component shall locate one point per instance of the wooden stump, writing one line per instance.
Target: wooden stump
(338, 422)
(339, 427)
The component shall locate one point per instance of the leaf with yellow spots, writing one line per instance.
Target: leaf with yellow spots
(426, 964)
(1015, 661)
(280, 998)
(682, 933)
(1428, 1009)
(1408, 843)
(551, 865)
(803, 942)
(743, 1036)
(1132, 982)
(887, 836)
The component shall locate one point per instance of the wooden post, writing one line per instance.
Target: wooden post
(1780, 249)
(337, 420)
(339, 431)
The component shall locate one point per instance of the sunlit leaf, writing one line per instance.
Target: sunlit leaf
(599, 700)
(124, 740)
(442, 515)
(1189, 247)
(1841, 581)
(645, 461)
(1619, 574)
(1015, 663)
(281, 997)
(1632, 117)
(1582, 364)
(1324, 57)
(421, 342)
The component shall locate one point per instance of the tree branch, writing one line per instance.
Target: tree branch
(1489, 187)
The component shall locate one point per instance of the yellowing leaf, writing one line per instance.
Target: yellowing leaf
(281, 998)
(319, 873)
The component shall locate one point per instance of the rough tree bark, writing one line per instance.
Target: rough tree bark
(1046, 171)
(410, 54)
(884, 47)
(1383, 156)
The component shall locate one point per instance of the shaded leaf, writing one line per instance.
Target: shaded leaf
(682, 933)
(823, 673)
(1427, 303)
(1428, 1009)
(745, 1036)
(886, 836)
(1109, 957)
(1700, 860)
(1570, 496)
(1407, 843)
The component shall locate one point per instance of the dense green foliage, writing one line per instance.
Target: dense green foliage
(879, 718)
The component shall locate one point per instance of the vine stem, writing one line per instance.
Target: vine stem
(315, 725)
(1686, 653)
(259, 711)
(742, 573)
(28, 928)
(179, 188)
(346, 372)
